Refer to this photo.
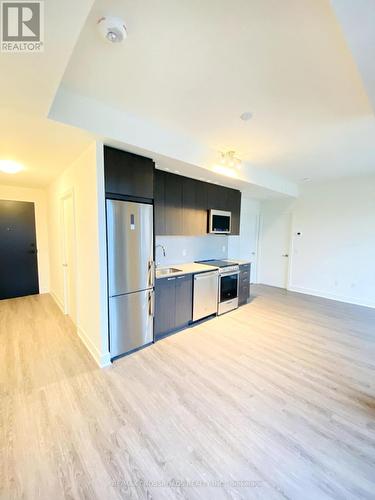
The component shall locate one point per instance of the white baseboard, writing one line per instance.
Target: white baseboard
(331, 296)
(58, 301)
(102, 360)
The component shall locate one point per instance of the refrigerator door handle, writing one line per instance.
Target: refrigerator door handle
(151, 273)
(151, 303)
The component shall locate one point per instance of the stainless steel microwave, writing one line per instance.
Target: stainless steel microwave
(219, 222)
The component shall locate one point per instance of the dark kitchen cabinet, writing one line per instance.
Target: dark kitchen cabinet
(184, 300)
(165, 306)
(128, 175)
(194, 207)
(234, 206)
(217, 197)
(182, 204)
(159, 202)
(244, 285)
(173, 304)
(173, 204)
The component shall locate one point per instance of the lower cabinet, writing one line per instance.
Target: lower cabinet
(244, 286)
(173, 304)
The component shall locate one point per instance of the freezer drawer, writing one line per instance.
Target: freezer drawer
(205, 294)
(130, 321)
(130, 247)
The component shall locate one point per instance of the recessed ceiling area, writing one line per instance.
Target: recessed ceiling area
(44, 148)
(194, 67)
(28, 85)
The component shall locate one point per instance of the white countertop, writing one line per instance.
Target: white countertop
(187, 268)
(193, 267)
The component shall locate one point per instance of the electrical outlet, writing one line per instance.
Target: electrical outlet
(223, 248)
(184, 252)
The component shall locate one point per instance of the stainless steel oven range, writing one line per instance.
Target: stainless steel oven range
(228, 284)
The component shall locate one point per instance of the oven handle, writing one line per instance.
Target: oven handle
(230, 273)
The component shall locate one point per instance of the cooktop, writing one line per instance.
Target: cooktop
(217, 263)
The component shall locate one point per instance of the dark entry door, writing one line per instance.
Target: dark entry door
(18, 252)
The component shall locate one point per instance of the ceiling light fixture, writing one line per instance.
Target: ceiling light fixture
(229, 160)
(10, 167)
(112, 29)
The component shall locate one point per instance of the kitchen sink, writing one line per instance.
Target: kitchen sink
(167, 270)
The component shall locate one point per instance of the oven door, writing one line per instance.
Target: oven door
(228, 289)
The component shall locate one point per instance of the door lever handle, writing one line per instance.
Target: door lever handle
(285, 255)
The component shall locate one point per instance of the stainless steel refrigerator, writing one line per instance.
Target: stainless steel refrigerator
(130, 275)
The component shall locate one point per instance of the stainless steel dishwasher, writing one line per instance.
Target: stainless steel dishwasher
(205, 294)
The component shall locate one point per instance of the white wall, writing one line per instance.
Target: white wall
(85, 178)
(39, 198)
(334, 256)
(181, 249)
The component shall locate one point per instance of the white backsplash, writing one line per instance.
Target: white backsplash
(180, 249)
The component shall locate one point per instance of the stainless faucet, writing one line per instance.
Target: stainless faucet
(163, 248)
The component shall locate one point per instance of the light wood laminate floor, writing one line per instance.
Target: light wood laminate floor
(274, 400)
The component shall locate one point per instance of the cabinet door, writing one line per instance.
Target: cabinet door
(159, 203)
(194, 201)
(184, 300)
(234, 206)
(165, 306)
(244, 286)
(217, 197)
(173, 205)
(243, 294)
(128, 174)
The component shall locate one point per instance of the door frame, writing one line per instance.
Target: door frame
(68, 194)
(254, 280)
(290, 247)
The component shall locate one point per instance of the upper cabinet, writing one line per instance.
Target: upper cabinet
(182, 204)
(234, 206)
(194, 207)
(128, 175)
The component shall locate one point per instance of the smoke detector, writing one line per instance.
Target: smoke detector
(112, 29)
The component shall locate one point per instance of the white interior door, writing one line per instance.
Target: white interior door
(274, 249)
(69, 257)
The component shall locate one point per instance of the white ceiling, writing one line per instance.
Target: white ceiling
(357, 20)
(193, 67)
(28, 83)
(43, 147)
